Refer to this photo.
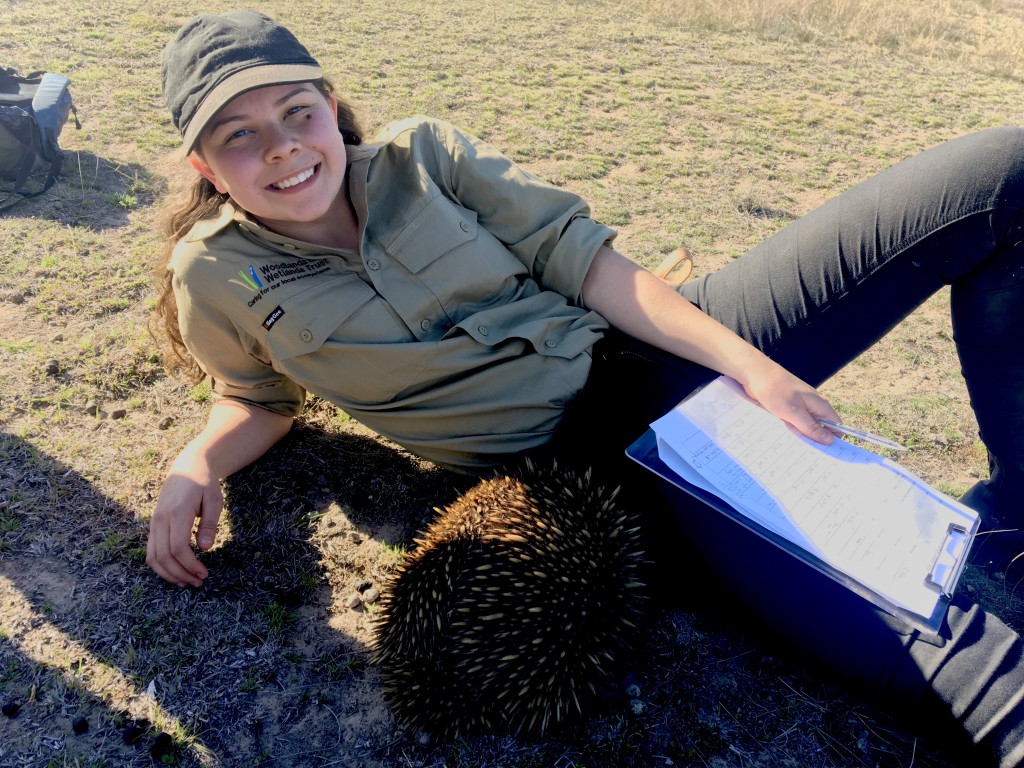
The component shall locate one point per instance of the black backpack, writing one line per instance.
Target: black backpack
(33, 111)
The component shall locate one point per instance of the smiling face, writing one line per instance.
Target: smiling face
(278, 153)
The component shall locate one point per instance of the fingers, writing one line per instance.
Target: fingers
(806, 423)
(816, 407)
(209, 520)
(820, 408)
(800, 405)
(173, 562)
(794, 401)
(169, 549)
(819, 433)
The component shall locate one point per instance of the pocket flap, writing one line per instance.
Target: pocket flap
(304, 321)
(441, 226)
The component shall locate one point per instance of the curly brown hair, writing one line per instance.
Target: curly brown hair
(198, 202)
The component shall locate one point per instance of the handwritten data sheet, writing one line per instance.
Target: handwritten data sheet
(862, 514)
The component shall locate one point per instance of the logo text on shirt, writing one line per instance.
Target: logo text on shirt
(275, 275)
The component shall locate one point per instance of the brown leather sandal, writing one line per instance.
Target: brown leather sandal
(676, 267)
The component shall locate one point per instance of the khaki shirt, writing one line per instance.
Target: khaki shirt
(456, 331)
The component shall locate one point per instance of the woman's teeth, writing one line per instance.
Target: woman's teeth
(297, 179)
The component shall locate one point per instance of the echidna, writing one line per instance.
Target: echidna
(513, 607)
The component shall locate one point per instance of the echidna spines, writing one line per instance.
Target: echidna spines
(548, 553)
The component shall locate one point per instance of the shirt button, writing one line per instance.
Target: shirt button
(482, 329)
(550, 344)
(288, 246)
(306, 335)
(424, 324)
(464, 225)
(373, 264)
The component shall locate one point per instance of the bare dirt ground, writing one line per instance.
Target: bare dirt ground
(705, 137)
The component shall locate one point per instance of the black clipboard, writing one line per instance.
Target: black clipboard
(945, 573)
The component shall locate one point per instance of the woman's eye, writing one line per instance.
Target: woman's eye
(295, 110)
(236, 135)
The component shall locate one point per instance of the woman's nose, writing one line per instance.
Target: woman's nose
(280, 142)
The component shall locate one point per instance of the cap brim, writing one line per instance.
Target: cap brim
(237, 84)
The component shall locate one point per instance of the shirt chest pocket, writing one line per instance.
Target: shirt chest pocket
(302, 323)
(439, 228)
(453, 267)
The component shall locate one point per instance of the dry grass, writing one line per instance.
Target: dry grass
(986, 34)
(708, 125)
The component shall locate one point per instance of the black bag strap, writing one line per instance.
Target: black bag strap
(23, 174)
(10, 75)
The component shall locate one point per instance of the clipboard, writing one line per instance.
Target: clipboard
(941, 574)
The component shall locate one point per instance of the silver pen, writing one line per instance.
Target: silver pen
(859, 433)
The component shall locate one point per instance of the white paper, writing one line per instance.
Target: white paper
(855, 510)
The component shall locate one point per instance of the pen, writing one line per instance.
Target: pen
(843, 429)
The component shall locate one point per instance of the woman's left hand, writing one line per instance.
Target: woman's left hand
(794, 401)
(635, 301)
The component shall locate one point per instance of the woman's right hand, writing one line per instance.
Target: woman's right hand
(235, 435)
(190, 491)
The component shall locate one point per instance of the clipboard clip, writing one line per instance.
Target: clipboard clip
(950, 560)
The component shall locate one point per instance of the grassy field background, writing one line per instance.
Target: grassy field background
(697, 123)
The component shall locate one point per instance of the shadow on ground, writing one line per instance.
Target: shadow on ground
(250, 666)
(92, 191)
(266, 665)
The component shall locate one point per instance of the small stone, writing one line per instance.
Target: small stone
(91, 408)
(363, 585)
(354, 601)
(52, 367)
(16, 298)
(118, 413)
(163, 746)
(422, 738)
(58, 338)
(10, 709)
(355, 537)
(80, 725)
(166, 422)
(371, 595)
(864, 742)
(633, 691)
(636, 706)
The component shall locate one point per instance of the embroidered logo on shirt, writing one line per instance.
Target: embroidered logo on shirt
(270, 277)
(272, 318)
(251, 279)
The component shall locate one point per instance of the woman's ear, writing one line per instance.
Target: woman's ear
(206, 172)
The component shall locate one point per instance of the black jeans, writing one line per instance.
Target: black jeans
(813, 297)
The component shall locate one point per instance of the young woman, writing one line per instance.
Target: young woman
(473, 314)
